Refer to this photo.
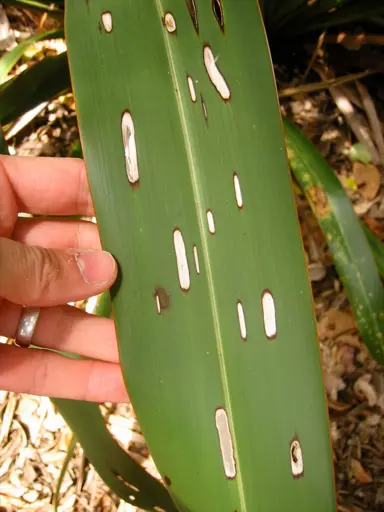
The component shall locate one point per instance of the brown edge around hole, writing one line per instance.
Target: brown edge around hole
(266, 290)
(164, 298)
(204, 108)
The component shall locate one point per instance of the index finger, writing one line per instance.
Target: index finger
(48, 186)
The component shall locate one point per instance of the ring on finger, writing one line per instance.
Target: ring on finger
(27, 325)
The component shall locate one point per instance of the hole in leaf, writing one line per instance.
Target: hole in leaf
(162, 299)
(196, 259)
(181, 260)
(238, 194)
(269, 314)
(241, 317)
(191, 6)
(218, 12)
(191, 87)
(106, 18)
(169, 22)
(130, 153)
(215, 74)
(297, 463)
(211, 222)
(226, 446)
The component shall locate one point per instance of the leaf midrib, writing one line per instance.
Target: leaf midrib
(198, 197)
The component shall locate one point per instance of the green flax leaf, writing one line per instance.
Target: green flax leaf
(349, 246)
(45, 80)
(183, 143)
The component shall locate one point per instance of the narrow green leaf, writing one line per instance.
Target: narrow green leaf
(64, 468)
(118, 470)
(10, 58)
(45, 80)
(377, 248)
(228, 406)
(350, 250)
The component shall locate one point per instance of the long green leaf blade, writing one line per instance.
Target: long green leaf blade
(190, 361)
(346, 239)
(118, 470)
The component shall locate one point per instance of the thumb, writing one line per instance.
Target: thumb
(34, 276)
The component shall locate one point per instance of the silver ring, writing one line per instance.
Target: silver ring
(27, 325)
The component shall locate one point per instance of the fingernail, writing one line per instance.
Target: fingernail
(96, 267)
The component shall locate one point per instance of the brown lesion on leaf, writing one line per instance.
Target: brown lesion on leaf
(191, 6)
(319, 201)
(167, 480)
(125, 482)
(218, 12)
(162, 298)
(204, 108)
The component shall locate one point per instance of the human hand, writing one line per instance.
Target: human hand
(47, 263)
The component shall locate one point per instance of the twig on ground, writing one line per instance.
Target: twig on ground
(355, 121)
(325, 84)
(314, 55)
(355, 42)
(373, 119)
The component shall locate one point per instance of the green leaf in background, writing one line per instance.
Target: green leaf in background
(299, 16)
(118, 470)
(9, 59)
(39, 7)
(64, 468)
(183, 143)
(348, 244)
(360, 153)
(377, 248)
(43, 81)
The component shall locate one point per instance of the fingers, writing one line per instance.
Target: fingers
(48, 186)
(34, 276)
(67, 329)
(41, 372)
(58, 234)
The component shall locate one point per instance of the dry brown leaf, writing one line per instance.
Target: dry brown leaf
(335, 322)
(349, 339)
(367, 177)
(364, 389)
(357, 471)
